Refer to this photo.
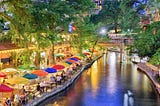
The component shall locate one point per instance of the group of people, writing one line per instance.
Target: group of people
(57, 79)
(17, 99)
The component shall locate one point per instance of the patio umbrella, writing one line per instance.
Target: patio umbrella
(17, 80)
(51, 70)
(23, 67)
(86, 53)
(9, 71)
(59, 55)
(40, 73)
(95, 51)
(2, 74)
(68, 62)
(64, 64)
(76, 57)
(73, 59)
(30, 76)
(58, 67)
(27, 67)
(32, 67)
(5, 88)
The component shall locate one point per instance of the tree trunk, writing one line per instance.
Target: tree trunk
(116, 31)
(115, 27)
(37, 60)
(51, 55)
(94, 47)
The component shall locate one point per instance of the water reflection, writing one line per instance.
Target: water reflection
(105, 84)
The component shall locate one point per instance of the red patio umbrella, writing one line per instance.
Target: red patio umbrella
(95, 51)
(5, 88)
(72, 61)
(58, 67)
(2, 74)
(40, 73)
(87, 53)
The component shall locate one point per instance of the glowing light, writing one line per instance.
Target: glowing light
(102, 31)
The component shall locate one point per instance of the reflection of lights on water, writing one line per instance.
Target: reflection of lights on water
(112, 59)
(112, 83)
(56, 104)
(112, 73)
(145, 82)
(95, 66)
(104, 58)
(94, 78)
(135, 76)
(138, 78)
(89, 72)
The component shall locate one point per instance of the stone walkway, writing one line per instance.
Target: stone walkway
(150, 71)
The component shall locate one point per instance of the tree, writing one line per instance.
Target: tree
(84, 31)
(86, 35)
(155, 59)
(80, 6)
(109, 14)
(130, 16)
(50, 19)
(147, 43)
(120, 14)
(15, 12)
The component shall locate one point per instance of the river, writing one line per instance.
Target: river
(106, 83)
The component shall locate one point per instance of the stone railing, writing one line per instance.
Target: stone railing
(151, 72)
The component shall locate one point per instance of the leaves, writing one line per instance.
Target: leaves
(147, 43)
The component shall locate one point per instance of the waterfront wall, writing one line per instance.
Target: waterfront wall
(150, 71)
(63, 87)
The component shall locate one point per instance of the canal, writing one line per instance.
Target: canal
(106, 83)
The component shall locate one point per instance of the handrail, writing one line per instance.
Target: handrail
(154, 68)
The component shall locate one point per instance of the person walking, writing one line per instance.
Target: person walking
(39, 88)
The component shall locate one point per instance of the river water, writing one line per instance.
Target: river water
(106, 83)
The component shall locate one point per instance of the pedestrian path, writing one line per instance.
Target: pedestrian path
(151, 72)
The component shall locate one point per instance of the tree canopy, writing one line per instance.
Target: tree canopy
(120, 14)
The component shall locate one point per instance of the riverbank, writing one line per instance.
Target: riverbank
(62, 87)
(150, 71)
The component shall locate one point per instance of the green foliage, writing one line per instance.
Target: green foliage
(109, 14)
(37, 23)
(81, 6)
(129, 16)
(155, 59)
(16, 12)
(147, 43)
(157, 78)
(120, 14)
(86, 34)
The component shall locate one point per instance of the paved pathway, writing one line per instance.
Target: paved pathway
(150, 71)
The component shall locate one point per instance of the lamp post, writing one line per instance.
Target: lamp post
(121, 48)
